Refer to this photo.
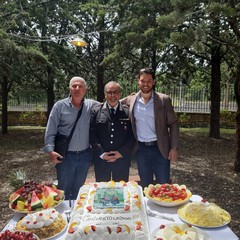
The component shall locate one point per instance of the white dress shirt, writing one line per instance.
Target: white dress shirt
(145, 122)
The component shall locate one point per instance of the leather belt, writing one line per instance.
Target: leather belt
(77, 152)
(148, 144)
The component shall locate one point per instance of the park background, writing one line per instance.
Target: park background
(193, 47)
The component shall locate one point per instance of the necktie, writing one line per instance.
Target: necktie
(112, 112)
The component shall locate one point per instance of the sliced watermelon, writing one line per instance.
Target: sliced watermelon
(20, 190)
(47, 191)
(60, 193)
(35, 202)
(16, 196)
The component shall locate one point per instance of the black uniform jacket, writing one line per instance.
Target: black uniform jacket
(112, 134)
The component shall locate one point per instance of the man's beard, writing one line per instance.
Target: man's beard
(146, 90)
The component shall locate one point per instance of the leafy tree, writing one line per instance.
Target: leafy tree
(221, 36)
(228, 11)
(192, 24)
(8, 52)
(15, 61)
(41, 26)
(98, 24)
(231, 10)
(46, 19)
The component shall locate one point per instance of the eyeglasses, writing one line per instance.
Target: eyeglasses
(112, 93)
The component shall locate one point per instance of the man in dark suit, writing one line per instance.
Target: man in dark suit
(156, 128)
(111, 137)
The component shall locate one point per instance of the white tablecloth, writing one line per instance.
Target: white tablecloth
(222, 233)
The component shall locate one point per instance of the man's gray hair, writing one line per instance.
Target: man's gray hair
(75, 79)
(112, 82)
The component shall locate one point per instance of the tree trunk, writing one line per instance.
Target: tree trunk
(237, 94)
(4, 106)
(50, 100)
(214, 130)
(100, 84)
(100, 68)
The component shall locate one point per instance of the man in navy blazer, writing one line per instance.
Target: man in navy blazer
(156, 128)
(111, 137)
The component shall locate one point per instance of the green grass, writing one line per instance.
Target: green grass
(22, 138)
(224, 131)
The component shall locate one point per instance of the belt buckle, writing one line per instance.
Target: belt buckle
(148, 143)
(153, 143)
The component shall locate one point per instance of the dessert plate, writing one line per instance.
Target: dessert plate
(167, 195)
(58, 234)
(209, 227)
(203, 234)
(204, 215)
(169, 204)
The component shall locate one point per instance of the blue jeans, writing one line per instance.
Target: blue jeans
(151, 163)
(72, 172)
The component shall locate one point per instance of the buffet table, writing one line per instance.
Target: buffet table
(222, 233)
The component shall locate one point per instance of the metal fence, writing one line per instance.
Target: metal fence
(184, 99)
(191, 100)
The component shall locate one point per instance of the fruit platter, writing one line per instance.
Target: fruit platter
(17, 235)
(32, 197)
(167, 195)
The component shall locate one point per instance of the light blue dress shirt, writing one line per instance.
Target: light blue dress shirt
(144, 118)
(61, 121)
